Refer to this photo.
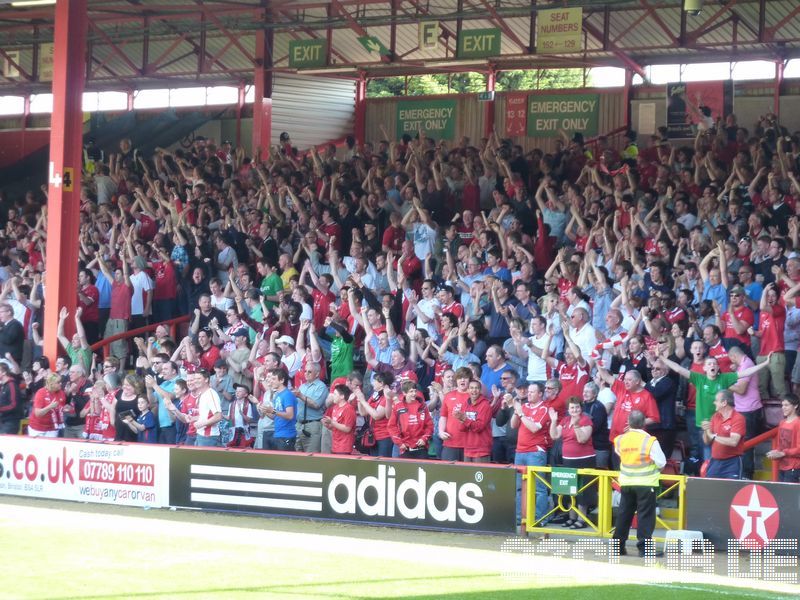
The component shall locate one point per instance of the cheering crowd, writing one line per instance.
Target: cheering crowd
(419, 299)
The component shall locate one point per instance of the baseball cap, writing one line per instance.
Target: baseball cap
(285, 339)
(737, 289)
(242, 385)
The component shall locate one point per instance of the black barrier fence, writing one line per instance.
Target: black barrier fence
(421, 495)
(752, 512)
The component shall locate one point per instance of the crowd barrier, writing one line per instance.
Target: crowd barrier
(402, 493)
(564, 485)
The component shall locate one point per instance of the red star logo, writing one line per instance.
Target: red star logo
(754, 516)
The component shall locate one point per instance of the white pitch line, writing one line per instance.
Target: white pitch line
(537, 570)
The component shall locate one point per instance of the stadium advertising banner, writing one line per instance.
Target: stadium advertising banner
(548, 113)
(126, 475)
(754, 513)
(422, 495)
(700, 94)
(437, 118)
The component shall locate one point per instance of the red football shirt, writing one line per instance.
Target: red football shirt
(626, 403)
(745, 315)
(344, 414)
(453, 400)
(723, 427)
(527, 440)
(771, 328)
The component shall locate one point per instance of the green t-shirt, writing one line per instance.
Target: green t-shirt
(706, 390)
(80, 356)
(271, 286)
(341, 358)
(258, 316)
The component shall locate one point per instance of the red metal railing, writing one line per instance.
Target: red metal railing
(772, 434)
(173, 329)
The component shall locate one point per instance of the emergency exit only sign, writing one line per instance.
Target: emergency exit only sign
(548, 113)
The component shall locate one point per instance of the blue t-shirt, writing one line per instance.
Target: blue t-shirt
(716, 292)
(501, 273)
(164, 420)
(149, 435)
(285, 428)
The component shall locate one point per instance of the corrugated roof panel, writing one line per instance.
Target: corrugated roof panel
(105, 54)
(312, 108)
(182, 62)
(233, 57)
(778, 11)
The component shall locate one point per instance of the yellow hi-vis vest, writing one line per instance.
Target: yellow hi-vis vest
(636, 467)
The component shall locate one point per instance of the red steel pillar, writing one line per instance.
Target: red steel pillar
(66, 133)
(488, 119)
(360, 117)
(628, 98)
(776, 101)
(262, 105)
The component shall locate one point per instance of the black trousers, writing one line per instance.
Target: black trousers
(638, 500)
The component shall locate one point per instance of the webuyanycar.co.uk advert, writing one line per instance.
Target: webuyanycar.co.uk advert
(128, 475)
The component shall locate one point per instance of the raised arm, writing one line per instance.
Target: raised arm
(672, 365)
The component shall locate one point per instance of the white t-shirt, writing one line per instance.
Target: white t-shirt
(141, 284)
(208, 405)
(424, 240)
(537, 368)
(426, 307)
(585, 339)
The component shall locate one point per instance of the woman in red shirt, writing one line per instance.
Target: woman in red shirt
(375, 410)
(787, 446)
(47, 412)
(575, 431)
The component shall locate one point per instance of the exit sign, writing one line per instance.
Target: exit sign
(305, 54)
(485, 96)
(479, 43)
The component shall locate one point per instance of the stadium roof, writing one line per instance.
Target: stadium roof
(141, 43)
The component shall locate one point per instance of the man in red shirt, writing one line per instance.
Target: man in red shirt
(737, 319)
(449, 430)
(712, 336)
(475, 422)
(209, 353)
(188, 411)
(341, 421)
(320, 292)
(165, 290)
(329, 234)
(120, 311)
(410, 423)
(88, 299)
(533, 421)
(631, 395)
(725, 433)
(771, 321)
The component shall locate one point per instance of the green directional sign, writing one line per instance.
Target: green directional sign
(479, 43)
(437, 118)
(564, 481)
(373, 45)
(547, 113)
(305, 54)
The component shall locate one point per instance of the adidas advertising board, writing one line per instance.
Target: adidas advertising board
(402, 493)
